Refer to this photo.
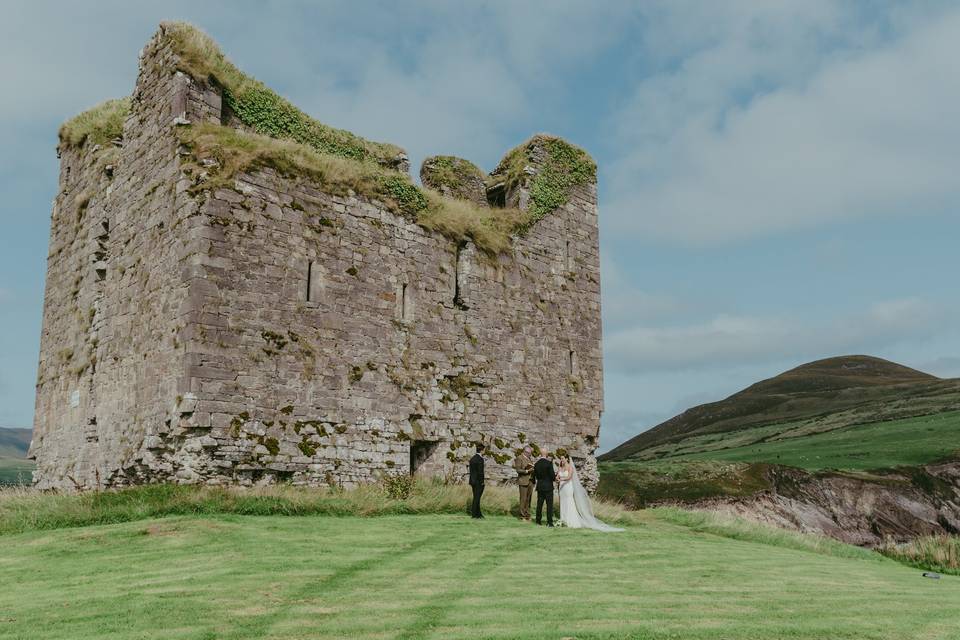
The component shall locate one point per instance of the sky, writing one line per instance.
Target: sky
(778, 180)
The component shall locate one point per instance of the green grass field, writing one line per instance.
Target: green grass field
(446, 576)
(15, 472)
(880, 445)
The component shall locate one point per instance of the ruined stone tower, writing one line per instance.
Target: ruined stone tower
(238, 294)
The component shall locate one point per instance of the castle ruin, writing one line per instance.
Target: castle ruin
(238, 294)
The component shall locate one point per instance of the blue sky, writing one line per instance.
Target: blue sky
(778, 180)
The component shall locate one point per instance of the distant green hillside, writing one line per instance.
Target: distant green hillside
(736, 464)
(876, 445)
(851, 414)
(14, 467)
(827, 395)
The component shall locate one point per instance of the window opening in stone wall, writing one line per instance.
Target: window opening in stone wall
(457, 293)
(568, 257)
(420, 452)
(406, 306)
(309, 279)
(497, 195)
(101, 254)
(573, 363)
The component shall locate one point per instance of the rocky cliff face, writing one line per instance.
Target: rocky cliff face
(861, 509)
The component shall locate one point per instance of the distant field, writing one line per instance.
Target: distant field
(14, 467)
(445, 576)
(638, 484)
(14, 471)
(733, 464)
(879, 445)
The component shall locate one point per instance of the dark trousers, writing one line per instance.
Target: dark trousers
(526, 492)
(475, 507)
(545, 496)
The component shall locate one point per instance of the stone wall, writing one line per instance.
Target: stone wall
(271, 331)
(111, 350)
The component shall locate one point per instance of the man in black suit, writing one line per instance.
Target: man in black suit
(476, 481)
(544, 475)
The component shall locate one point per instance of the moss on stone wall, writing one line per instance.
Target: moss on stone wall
(293, 144)
(98, 125)
(236, 152)
(565, 166)
(449, 171)
(260, 108)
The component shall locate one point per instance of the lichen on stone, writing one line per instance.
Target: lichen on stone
(272, 445)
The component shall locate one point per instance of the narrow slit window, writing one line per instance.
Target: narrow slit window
(573, 363)
(309, 279)
(404, 303)
(456, 278)
(458, 300)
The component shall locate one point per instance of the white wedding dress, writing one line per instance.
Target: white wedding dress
(575, 509)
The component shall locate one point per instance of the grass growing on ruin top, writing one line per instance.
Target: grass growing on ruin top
(566, 166)
(260, 108)
(284, 138)
(98, 125)
(450, 171)
(238, 151)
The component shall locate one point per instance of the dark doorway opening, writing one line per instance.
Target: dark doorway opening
(497, 195)
(420, 452)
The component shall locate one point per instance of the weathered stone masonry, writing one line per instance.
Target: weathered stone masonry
(271, 331)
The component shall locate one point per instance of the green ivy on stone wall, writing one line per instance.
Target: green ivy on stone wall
(565, 167)
(260, 108)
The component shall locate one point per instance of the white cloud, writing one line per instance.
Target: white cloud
(434, 78)
(624, 304)
(620, 425)
(729, 340)
(766, 130)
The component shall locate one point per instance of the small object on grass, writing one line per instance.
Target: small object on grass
(931, 575)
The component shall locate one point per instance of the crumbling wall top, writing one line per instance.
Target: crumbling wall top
(258, 128)
(454, 177)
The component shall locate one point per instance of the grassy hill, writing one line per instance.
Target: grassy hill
(216, 574)
(853, 414)
(827, 394)
(14, 466)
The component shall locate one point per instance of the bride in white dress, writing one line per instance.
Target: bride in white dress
(575, 509)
